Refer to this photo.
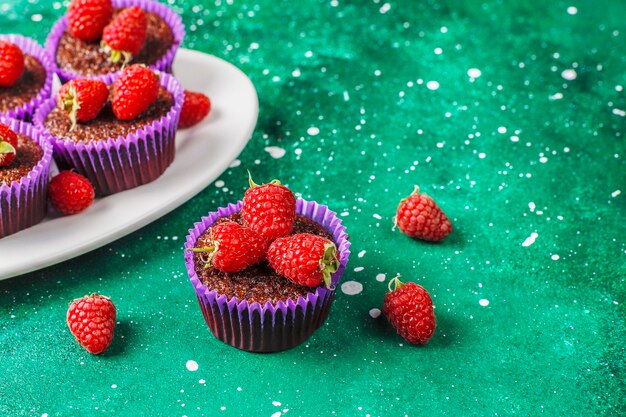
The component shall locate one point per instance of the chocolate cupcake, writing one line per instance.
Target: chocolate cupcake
(35, 84)
(24, 181)
(256, 309)
(74, 58)
(117, 155)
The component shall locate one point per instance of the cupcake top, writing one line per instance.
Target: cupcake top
(259, 282)
(28, 156)
(88, 59)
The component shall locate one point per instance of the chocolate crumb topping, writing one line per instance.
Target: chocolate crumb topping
(29, 153)
(84, 58)
(26, 88)
(259, 282)
(106, 125)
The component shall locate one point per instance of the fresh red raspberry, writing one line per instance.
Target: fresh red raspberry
(409, 309)
(82, 100)
(231, 247)
(134, 91)
(91, 320)
(421, 218)
(125, 36)
(70, 192)
(269, 209)
(304, 259)
(87, 18)
(11, 63)
(8, 145)
(195, 108)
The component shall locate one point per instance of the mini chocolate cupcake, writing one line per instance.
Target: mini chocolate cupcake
(256, 309)
(74, 58)
(20, 99)
(116, 155)
(24, 181)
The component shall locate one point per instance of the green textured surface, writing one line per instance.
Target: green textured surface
(343, 87)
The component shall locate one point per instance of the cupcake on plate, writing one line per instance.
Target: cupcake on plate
(25, 157)
(99, 39)
(265, 306)
(120, 135)
(25, 76)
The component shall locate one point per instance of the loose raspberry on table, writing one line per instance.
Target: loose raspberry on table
(91, 320)
(420, 217)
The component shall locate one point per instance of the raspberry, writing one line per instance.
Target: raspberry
(420, 217)
(87, 18)
(11, 63)
(409, 309)
(269, 209)
(231, 247)
(91, 320)
(8, 145)
(70, 193)
(195, 108)
(82, 99)
(134, 91)
(304, 259)
(125, 36)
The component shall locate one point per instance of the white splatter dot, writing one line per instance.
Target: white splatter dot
(275, 152)
(361, 254)
(438, 51)
(619, 112)
(114, 386)
(276, 404)
(483, 302)
(616, 193)
(222, 408)
(482, 155)
(569, 74)
(277, 414)
(556, 96)
(474, 73)
(381, 277)
(432, 85)
(377, 216)
(385, 8)
(192, 365)
(530, 239)
(219, 184)
(375, 312)
(312, 131)
(358, 269)
(543, 159)
(572, 10)
(619, 88)
(514, 138)
(201, 381)
(502, 130)
(351, 287)
(531, 206)
(295, 73)
(235, 163)
(36, 17)
(555, 257)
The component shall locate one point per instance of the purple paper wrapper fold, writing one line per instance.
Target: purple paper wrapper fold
(164, 63)
(23, 203)
(269, 327)
(118, 164)
(31, 47)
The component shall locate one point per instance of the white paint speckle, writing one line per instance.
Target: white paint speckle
(377, 216)
(514, 138)
(277, 414)
(556, 96)
(235, 163)
(531, 206)
(361, 254)
(36, 17)
(530, 239)
(375, 313)
(543, 159)
(219, 183)
(432, 85)
(313, 131)
(275, 152)
(555, 257)
(351, 287)
(483, 302)
(572, 10)
(569, 74)
(616, 193)
(502, 130)
(385, 8)
(381, 277)
(482, 155)
(438, 51)
(276, 404)
(474, 73)
(192, 365)
(358, 269)
(619, 112)
(201, 381)
(114, 386)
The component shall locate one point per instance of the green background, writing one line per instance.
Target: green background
(524, 150)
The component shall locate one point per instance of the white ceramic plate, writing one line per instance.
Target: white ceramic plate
(203, 152)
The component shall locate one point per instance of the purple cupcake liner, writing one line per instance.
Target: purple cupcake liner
(118, 164)
(269, 327)
(164, 64)
(23, 203)
(31, 47)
